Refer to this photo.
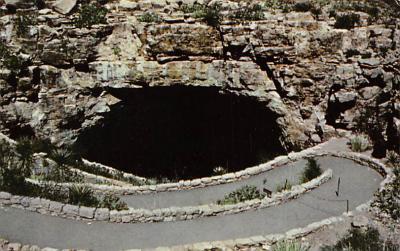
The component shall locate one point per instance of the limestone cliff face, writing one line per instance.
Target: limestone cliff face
(314, 77)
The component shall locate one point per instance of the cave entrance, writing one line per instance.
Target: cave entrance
(182, 132)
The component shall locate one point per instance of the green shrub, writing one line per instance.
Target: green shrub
(347, 21)
(360, 240)
(360, 143)
(388, 200)
(242, 194)
(311, 171)
(82, 196)
(285, 186)
(149, 17)
(22, 23)
(284, 5)
(210, 14)
(219, 170)
(290, 246)
(9, 59)
(254, 12)
(89, 15)
(113, 202)
(25, 153)
(393, 158)
(192, 8)
(303, 6)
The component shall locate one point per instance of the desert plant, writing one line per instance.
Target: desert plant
(284, 5)
(360, 143)
(311, 171)
(303, 6)
(285, 186)
(22, 23)
(82, 196)
(290, 246)
(347, 21)
(362, 240)
(393, 158)
(210, 14)
(254, 12)
(25, 153)
(113, 202)
(242, 194)
(149, 17)
(89, 15)
(388, 200)
(219, 170)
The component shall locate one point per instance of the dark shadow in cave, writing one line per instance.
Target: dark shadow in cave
(182, 132)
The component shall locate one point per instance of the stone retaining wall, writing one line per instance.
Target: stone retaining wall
(268, 240)
(207, 181)
(45, 206)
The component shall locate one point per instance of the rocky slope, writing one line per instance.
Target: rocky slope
(316, 78)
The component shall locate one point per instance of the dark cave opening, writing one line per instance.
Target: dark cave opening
(182, 132)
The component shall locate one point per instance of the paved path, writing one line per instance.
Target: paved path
(208, 195)
(358, 184)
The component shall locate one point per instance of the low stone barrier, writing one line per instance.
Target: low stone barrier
(204, 182)
(268, 240)
(131, 215)
(5, 245)
(45, 206)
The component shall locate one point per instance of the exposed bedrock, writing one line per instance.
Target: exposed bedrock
(309, 77)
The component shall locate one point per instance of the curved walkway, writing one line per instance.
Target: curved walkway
(358, 184)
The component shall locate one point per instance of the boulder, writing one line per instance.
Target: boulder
(19, 3)
(64, 6)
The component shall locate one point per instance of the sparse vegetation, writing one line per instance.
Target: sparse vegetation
(22, 23)
(219, 170)
(360, 143)
(149, 17)
(393, 158)
(89, 15)
(285, 186)
(242, 194)
(388, 200)
(311, 171)
(362, 240)
(15, 167)
(347, 21)
(9, 59)
(290, 246)
(254, 12)
(210, 14)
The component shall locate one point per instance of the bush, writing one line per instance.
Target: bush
(312, 170)
(22, 23)
(360, 143)
(359, 240)
(290, 246)
(242, 194)
(393, 159)
(210, 14)
(89, 15)
(149, 18)
(284, 5)
(112, 202)
(254, 12)
(82, 196)
(286, 186)
(303, 6)
(388, 200)
(9, 59)
(347, 21)
(219, 170)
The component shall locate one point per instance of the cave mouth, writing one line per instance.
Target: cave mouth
(182, 133)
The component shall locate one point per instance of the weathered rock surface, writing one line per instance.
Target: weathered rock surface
(299, 66)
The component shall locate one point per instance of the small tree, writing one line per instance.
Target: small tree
(89, 15)
(311, 171)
